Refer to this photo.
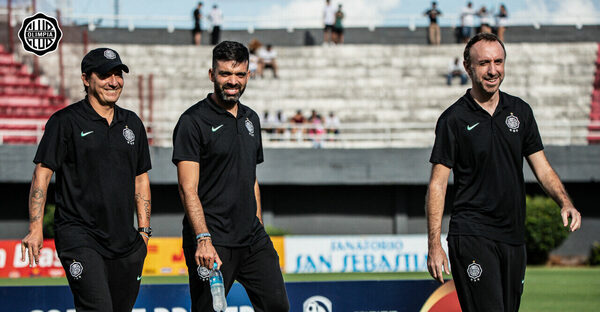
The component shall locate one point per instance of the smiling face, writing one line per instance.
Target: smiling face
(486, 66)
(229, 79)
(104, 88)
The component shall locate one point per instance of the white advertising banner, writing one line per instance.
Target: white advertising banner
(357, 253)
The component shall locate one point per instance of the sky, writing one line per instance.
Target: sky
(242, 14)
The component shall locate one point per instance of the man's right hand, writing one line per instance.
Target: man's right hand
(437, 263)
(32, 245)
(206, 254)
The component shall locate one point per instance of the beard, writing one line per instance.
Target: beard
(229, 100)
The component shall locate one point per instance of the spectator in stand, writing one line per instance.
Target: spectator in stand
(279, 121)
(329, 21)
(299, 120)
(467, 21)
(338, 28)
(501, 21)
(456, 69)
(197, 20)
(216, 19)
(332, 123)
(253, 48)
(485, 20)
(267, 59)
(316, 130)
(265, 122)
(434, 35)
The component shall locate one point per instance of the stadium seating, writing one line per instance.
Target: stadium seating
(25, 102)
(594, 137)
(385, 95)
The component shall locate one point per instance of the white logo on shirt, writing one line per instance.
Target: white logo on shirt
(250, 127)
(513, 123)
(129, 135)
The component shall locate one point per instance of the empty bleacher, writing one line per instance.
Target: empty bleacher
(25, 102)
(385, 95)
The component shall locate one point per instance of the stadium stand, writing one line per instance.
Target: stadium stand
(384, 95)
(594, 137)
(25, 102)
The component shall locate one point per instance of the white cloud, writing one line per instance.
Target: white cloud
(558, 12)
(309, 13)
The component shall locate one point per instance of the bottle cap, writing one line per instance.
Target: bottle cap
(215, 265)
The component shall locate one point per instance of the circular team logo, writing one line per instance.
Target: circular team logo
(110, 54)
(40, 34)
(317, 304)
(250, 127)
(513, 123)
(129, 135)
(203, 272)
(76, 268)
(474, 271)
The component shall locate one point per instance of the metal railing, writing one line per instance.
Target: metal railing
(349, 135)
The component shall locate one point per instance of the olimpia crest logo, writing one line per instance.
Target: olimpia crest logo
(40, 34)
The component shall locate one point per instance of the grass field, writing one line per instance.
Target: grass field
(546, 289)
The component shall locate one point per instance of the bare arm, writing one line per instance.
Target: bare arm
(143, 201)
(188, 175)
(32, 243)
(258, 203)
(437, 262)
(554, 188)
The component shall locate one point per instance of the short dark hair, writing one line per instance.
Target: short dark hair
(230, 51)
(87, 75)
(481, 37)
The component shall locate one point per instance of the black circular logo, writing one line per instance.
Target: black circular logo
(40, 34)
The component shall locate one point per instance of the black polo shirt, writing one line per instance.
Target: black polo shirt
(227, 149)
(96, 166)
(486, 155)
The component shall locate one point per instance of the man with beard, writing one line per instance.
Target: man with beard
(216, 147)
(483, 138)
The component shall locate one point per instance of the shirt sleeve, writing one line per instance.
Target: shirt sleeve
(444, 148)
(532, 141)
(187, 143)
(53, 146)
(143, 163)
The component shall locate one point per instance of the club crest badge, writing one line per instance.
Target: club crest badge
(250, 127)
(513, 123)
(474, 271)
(40, 34)
(76, 268)
(129, 135)
(110, 54)
(203, 273)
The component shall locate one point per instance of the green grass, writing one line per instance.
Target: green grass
(546, 289)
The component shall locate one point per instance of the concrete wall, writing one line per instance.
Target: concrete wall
(409, 166)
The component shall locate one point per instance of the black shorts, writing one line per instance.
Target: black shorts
(328, 27)
(488, 275)
(256, 267)
(102, 284)
(338, 30)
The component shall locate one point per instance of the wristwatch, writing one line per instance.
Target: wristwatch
(147, 230)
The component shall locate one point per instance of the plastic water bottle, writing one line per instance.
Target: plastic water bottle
(217, 289)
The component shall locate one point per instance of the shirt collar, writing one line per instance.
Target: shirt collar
(473, 105)
(93, 115)
(242, 109)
